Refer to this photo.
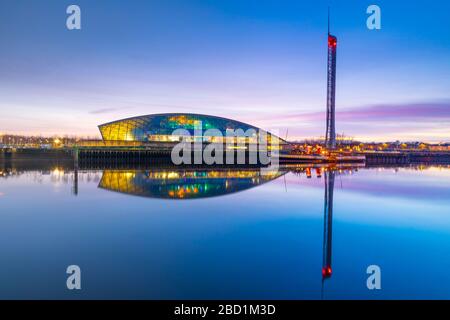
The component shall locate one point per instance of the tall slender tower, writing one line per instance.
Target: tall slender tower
(330, 136)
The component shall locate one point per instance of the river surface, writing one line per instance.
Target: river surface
(166, 233)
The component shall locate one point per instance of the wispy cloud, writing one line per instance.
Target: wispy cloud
(385, 122)
(104, 110)
(422, 112)
(139, 106)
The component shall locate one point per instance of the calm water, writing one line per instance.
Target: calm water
(165, 233)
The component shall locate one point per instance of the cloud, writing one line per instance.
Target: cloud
(152, 108)
(399, 113)
(425, 121)
(104, 110)
(422, 112)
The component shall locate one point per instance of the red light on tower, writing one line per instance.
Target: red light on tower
(332, 41)
(326, 272)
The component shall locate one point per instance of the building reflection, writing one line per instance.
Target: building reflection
(184, 184)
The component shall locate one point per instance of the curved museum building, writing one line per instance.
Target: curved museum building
(195, 127)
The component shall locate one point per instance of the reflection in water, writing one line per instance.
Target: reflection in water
(329, 173)
(327, 226)
(188, 184)
(75, 181)
(184, 184)
(240, 248)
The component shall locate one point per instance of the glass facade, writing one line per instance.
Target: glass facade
(161, 127)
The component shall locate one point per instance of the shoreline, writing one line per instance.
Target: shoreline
(113, 157)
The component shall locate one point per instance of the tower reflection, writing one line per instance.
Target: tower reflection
(329, 173)
(328, 224)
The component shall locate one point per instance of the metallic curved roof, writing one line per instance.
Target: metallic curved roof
(170, 114)
(136, 128)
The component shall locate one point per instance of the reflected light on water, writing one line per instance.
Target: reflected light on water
(183, 184)
(307, 231)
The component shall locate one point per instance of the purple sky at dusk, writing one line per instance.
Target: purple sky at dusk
(258, 62)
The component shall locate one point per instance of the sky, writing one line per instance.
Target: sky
(261, 62)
